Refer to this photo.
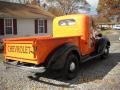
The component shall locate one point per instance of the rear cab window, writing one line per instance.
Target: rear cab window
(67, 22)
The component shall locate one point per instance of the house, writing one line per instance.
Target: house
(24, 20)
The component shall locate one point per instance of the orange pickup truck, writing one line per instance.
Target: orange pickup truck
(74, 41)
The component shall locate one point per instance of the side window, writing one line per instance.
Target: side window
(92, 26)
(92, 33)
(67, 22)
(93, 29)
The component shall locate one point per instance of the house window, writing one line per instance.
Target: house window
(8, 26)
(41, 26)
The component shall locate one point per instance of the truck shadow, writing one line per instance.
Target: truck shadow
(90, 71)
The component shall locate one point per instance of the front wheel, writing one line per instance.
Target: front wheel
(105, 54)
(71, 66)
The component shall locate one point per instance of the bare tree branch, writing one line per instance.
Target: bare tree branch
(68, 6)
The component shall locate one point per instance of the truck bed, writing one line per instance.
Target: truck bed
(35, 49)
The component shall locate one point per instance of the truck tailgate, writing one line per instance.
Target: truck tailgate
(20, 51)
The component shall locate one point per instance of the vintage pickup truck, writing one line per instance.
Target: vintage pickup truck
(74, 41)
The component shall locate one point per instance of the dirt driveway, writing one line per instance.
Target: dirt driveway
(93, 75)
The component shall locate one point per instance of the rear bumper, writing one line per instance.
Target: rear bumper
(21, 59)
(32, 69)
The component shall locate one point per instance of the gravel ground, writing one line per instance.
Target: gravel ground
(93, 75)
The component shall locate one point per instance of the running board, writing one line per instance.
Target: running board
(91, 57)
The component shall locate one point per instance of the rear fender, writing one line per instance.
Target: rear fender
(56, 59)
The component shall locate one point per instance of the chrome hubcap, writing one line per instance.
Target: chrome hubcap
(72, 66)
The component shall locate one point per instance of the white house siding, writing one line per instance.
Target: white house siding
(50, 26)
(26, 27)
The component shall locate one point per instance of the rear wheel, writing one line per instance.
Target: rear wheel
(71, 66)
(105, 54)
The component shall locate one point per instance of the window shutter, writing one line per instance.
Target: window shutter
(36, 26)
(45, 23)
(1, 26)
(15, 26)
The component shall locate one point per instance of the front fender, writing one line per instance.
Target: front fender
(102, 44)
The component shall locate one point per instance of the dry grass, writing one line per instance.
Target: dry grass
(109, 32)
(1, 57)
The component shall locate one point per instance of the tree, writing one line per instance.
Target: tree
(55, 11)
(67, 6)
(109, 9)
(107, 6)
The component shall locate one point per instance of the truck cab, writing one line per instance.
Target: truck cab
(80, 25)
(73, 42)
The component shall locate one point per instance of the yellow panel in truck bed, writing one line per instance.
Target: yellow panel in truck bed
(20, 51)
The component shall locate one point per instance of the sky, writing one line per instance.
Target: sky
(93, 4)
